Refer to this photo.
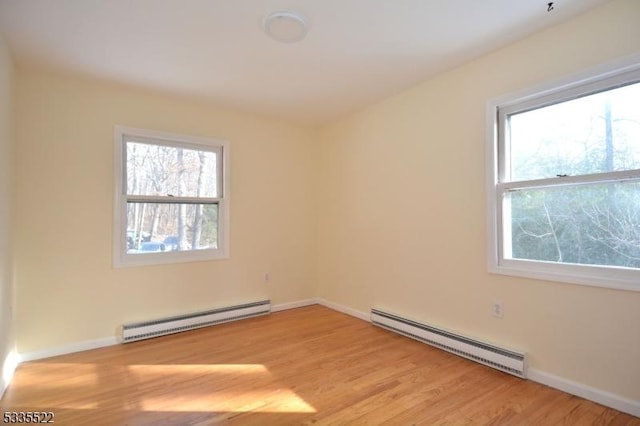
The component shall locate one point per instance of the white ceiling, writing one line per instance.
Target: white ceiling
(356, 51)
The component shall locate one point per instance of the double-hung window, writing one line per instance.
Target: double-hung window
(172, 198)
(565, 183)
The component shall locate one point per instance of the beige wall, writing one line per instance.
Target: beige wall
(7, 341)
(67, 289)
(403, 223)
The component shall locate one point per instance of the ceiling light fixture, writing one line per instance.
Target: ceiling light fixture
(285, 27)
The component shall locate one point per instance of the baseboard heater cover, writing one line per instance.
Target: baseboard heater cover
(160, 327)
(501, 359)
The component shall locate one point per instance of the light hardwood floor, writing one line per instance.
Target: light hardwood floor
(302, 366)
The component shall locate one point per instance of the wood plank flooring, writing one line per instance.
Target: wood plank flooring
(309, 365)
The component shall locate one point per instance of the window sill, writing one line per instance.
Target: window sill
(593, 276)
(127, 260)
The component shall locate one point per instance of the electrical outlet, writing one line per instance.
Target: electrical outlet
(497, 309)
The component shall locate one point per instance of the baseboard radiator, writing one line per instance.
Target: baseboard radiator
(501, 359)
(176, 324)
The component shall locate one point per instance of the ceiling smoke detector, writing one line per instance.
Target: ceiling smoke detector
(285, 27)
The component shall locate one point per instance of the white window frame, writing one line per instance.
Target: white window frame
(120, 256)
(597, 79)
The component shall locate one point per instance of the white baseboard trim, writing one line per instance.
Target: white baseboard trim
(344, 309)
(583, 391)
(578, 389)
(70, 348)
(110, 341)
(9, 365)
(293, 305)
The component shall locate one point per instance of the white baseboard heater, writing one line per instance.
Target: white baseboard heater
(501, 359)
(176, 324)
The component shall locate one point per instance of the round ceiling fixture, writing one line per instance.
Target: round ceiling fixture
(285, 27)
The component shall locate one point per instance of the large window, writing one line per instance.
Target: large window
(565, 183)
(171, 199)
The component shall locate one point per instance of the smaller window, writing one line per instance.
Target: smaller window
(172, 200)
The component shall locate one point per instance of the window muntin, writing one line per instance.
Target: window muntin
(566, 184)
(171, 198)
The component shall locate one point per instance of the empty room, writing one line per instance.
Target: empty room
(333, 212)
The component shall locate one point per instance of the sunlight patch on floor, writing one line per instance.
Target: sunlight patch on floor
(260, 401)
(57, 375)
(243, 388)
(199, 369)
(236, 388)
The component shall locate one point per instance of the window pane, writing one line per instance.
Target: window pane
(593, 134)
(586, 224)
(158, 227)
(166, 170)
